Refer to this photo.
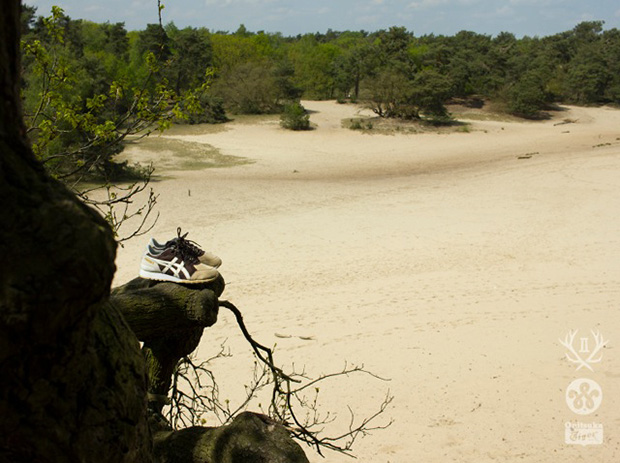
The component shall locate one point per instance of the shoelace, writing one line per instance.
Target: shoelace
(187, 249)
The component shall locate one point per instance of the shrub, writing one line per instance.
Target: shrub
(295, 117)
(527, 97)
(255, 88)
(355, 124)
(209, 110)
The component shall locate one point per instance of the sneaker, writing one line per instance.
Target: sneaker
(188, 247)
(174, 265)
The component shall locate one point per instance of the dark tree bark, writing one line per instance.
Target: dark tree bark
(155, 309)
(73, 383)
(169, 319)
(71, 373)
(250, 438)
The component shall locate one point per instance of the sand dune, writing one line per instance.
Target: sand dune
(450, 263)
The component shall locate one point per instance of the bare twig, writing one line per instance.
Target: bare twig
(195, 394)
(122, 197)
(284, 397)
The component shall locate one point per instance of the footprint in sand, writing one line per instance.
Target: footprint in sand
(286, 336)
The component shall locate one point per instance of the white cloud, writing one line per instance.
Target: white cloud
(237, 2)
(425, 4)
(142, 3)
(366, 20)
(537, 2)
(585, 16)
(498, 13)
(504, 11)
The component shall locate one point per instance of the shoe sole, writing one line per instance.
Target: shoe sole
(171, 278)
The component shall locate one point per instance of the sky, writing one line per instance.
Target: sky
(292, 17)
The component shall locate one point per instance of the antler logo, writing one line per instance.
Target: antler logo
(589, 356)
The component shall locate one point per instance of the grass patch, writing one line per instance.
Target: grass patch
(255, 119)
(484, 116)
(387, 126)
(173, 154)
(359, 123)
(382, 126)
(192, 129)
(483, 111)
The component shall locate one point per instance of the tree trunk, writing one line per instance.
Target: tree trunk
(72, 377)
(169, 319)
(249, 438)
(73, 384)
(156, 309)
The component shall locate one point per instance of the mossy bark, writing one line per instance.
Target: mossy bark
(73, 383)
(249, 438)
(154, 309)
(169, 319)
(72, 380)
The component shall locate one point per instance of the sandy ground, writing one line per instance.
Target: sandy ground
(443, 262)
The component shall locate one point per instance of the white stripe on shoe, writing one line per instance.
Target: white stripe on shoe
(174, 267)
(173, 270)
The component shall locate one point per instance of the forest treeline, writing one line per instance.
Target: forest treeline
(394, 72)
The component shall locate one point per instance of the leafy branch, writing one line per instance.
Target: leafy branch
(76, 132)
